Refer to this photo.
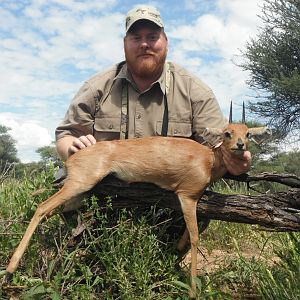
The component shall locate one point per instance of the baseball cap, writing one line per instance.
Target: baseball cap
(143, 13)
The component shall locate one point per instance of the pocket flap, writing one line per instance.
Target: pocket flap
(107, 124)
(175, 129)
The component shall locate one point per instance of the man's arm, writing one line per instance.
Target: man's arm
(75, 131)
(68, 145)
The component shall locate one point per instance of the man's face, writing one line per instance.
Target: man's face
(146, 48)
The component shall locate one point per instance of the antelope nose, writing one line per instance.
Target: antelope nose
(240, 144)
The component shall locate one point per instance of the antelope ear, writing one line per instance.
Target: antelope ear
(213, 136)
(259, 134)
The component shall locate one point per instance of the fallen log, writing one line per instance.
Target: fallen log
(277, 211)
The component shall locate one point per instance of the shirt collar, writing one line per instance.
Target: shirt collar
(124, 74)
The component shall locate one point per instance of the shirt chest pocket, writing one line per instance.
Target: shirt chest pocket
(179, 129)
(107, 129)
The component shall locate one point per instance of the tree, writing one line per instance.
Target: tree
(49, 155)
(273, 60)
(8, 151)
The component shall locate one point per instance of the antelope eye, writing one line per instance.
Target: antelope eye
(227, 134)
(248, 135)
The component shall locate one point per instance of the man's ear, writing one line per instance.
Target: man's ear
(259, 134)
(213, 136)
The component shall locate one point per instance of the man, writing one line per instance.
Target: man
(144, 96)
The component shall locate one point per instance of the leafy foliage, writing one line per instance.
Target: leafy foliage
(49, 155)
(8, 150)
(273, 60)
(281, 162)
(282, 281)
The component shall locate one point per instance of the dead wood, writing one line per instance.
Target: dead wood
(277, 211)
(290, 180)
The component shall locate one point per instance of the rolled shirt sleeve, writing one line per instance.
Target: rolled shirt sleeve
(79, 119)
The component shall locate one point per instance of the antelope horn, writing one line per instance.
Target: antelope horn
(230, 113)
(244, 114)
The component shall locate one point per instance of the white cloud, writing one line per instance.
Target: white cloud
(224, 33)
(48, 48)
(33, 58)
(193, 5)
(29, 136)
(241, 11)
(209, 45)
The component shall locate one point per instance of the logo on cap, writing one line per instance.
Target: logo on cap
(143, 13)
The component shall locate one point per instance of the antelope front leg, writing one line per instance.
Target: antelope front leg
(45, 209)
(189, 206)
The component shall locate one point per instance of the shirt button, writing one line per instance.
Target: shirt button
(138, 116)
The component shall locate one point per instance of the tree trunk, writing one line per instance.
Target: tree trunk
(278, 211)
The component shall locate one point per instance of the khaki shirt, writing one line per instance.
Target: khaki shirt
(96, 108)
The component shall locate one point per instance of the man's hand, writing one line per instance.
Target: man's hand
(68, 145)
(236, 165)
(81, 143)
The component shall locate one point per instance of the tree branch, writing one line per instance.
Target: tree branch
(290, 180)
(278, 211)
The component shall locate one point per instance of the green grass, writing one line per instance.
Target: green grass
(130, 254)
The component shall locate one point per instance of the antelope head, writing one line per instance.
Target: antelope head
(235, 137)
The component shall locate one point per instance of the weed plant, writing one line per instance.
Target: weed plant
(106, 253)
(283, 280)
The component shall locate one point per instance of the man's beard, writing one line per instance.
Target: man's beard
(147, 68)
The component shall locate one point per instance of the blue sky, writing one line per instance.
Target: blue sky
(49, 47)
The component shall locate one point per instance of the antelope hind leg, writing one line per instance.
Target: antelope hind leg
(45, 209)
